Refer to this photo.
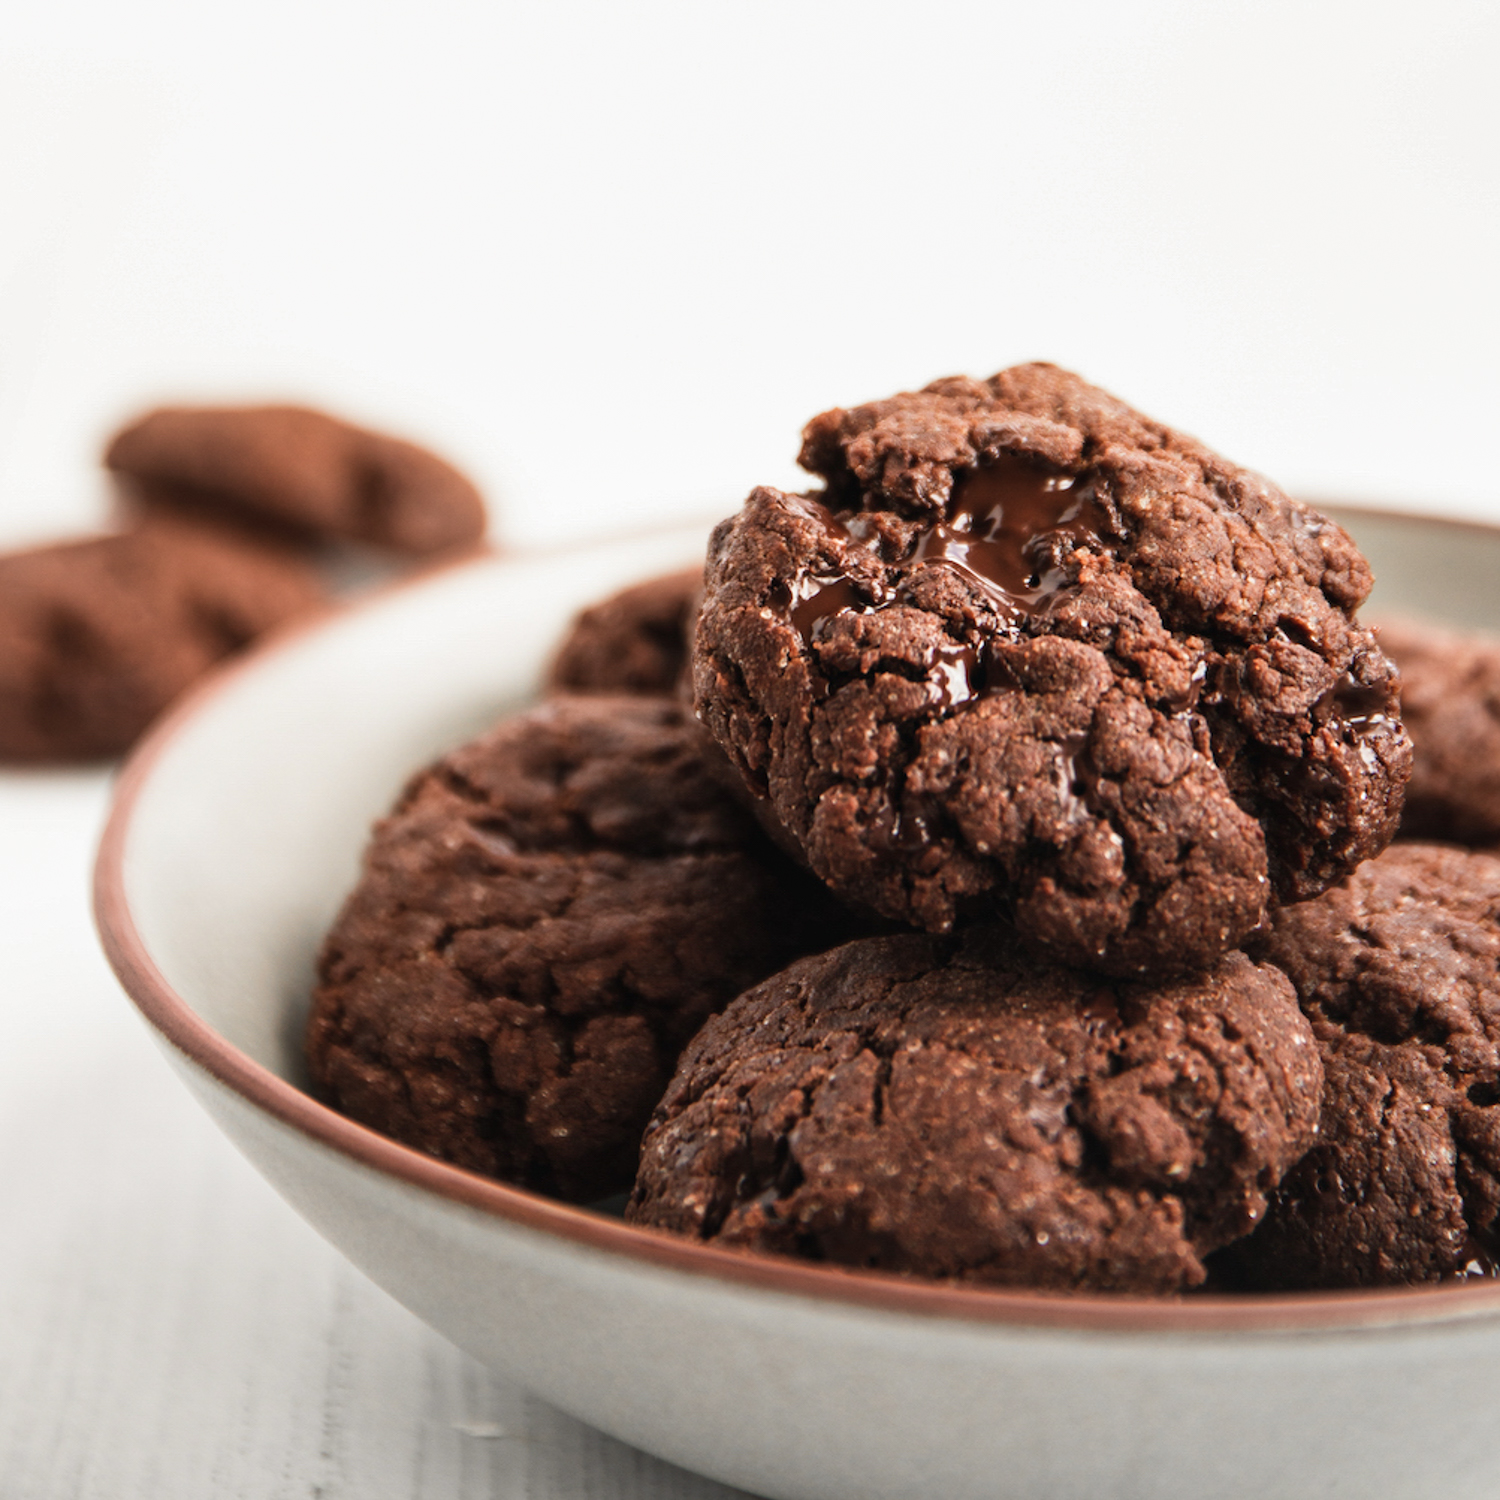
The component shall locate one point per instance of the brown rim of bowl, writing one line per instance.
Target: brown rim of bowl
(173, 1018)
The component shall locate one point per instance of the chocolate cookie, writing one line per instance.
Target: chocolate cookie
(1450, 703)
(1399, 970)
(633, 642)
(299, 469)
(937, 1107)
(1032, 652)
(544, 920)
(98, 636)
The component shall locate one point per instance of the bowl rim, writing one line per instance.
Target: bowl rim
(652, 1249)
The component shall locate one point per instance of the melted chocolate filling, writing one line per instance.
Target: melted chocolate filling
(822, 599)
(957, 673)
(1361, 706)
(1008, 529)
(1362, 709)
(817, 597)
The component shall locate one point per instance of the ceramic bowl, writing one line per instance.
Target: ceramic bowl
(237, 830)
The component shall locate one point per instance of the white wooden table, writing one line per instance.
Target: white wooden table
(169, 1329)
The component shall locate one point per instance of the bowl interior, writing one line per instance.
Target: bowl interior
(254, 801)
(1441, 570)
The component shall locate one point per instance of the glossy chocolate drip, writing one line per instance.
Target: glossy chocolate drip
(1068, 777)
(956, 674)
(1009, 527)
(900, 828)
(821, 599)
(1363, 708)
(816, 597)
(1357, 702)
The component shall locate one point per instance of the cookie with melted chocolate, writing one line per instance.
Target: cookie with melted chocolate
(1398, 969)
(944, 1108)
(543, 921)
(1031, 653)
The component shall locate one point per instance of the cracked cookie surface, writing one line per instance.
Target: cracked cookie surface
(1399, 970)
(936, 1106)
(545, 918)
(1032, 653)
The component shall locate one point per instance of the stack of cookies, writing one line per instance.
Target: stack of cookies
(228, 521)
(976, 873)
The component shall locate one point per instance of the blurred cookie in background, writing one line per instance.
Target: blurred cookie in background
(307, 471)
(635, 641)
(234, 520)
(1450, 704)
(97, 636)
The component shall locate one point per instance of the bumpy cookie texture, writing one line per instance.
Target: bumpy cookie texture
(98, 636)
(935, 1107)
(1399, 970)
(544, 920)
(1450, 704)
(635, 641)
(299, 469)
(1032, 651)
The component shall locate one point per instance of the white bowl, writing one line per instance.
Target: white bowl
(236, 832)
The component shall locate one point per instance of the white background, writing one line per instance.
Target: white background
(610, 258)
